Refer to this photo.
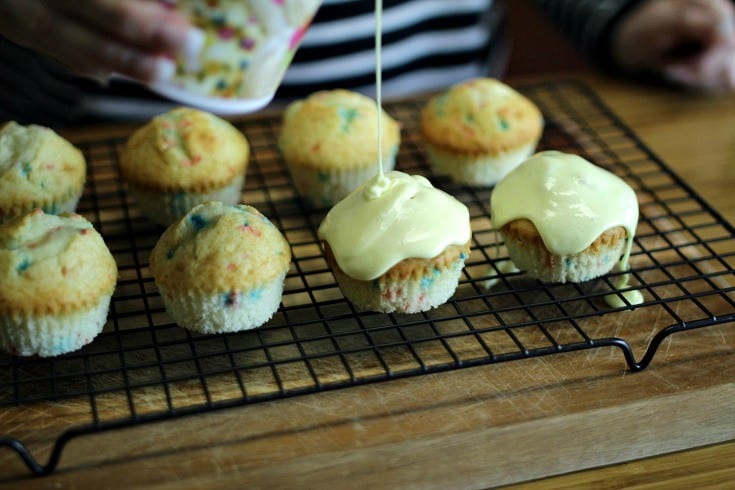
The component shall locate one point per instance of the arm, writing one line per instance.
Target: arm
(688, 42)
(136, 38)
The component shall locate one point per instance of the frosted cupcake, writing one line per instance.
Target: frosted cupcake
(397, 244)
(183, 158)
(221, 268)
(478, 131)
(56, 280)
(565, 219)
(329, 142)
(38, 169)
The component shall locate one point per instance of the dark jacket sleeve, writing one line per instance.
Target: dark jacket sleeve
(588, 24)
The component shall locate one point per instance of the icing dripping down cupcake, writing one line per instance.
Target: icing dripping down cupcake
(565, 219)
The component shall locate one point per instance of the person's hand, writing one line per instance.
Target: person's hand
(689, 42)
(135, 38)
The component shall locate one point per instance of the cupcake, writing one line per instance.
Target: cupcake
(329, 142)
(182, 158)
(221, 268)
(564, 219)
(56, 280)
(38, 169)
(397, 244)
(479, 130)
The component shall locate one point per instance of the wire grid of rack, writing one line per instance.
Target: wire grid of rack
(144, 368)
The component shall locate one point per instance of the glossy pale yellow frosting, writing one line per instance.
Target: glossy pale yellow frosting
(569, 200)
(392, 218)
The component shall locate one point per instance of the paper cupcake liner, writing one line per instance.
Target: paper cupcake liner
(64, 204)
(476, 169)
(541, 264)
(418, 293)
(166, 207)
(52, 335)
(326, 187)
(227, 311)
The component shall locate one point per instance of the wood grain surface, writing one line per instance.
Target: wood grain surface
(577, 419)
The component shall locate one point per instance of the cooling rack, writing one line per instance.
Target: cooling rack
(144, 368)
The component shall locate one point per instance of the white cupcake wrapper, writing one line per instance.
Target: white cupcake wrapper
(226, 311)
(166, 207)
(402, 296)
(52, 335)
(325, 188)
(476, 169)
(68, 205)
(580, 267)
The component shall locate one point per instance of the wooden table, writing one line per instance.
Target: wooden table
(669, 425)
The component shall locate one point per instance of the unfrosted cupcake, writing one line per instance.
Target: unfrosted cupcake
(182, 158)
(38, 169)
(479, 130)
(329, 142)
(221, 268)
(397, 244)
(56, 280)
(563, 218)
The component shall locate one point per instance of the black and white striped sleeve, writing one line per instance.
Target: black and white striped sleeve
(588, 24)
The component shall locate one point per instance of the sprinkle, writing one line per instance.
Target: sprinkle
(504, 124)
(85, 231)
(25, 169)
(50, 166)
(23, 266)
(248, 228)
(217, 20)
(244, 63)
(197, 221)
(297, 36)
(247, 43)
(347, 115)
(221, 84)
(462, 256)
(226, 33)
(256, 294)
(231, 267)
(170, 253)
(230, 299)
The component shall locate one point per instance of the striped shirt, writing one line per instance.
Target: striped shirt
(427, 45)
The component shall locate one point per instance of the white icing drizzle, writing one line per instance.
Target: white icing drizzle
(379, 183)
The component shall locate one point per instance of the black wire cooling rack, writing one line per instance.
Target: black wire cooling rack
(145, 368)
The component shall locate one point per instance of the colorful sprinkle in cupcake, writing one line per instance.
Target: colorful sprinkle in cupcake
(478, 131)
(183, 158)
(221, 268)
(56, 280)
(329, 142)
(38, 169)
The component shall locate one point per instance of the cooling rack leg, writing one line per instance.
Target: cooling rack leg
(25, 455)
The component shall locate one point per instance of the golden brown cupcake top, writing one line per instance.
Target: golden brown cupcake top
(37, 168)
(482, 115)
(53, 264)
(184, 150)
(217, 248)
(335, 129)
